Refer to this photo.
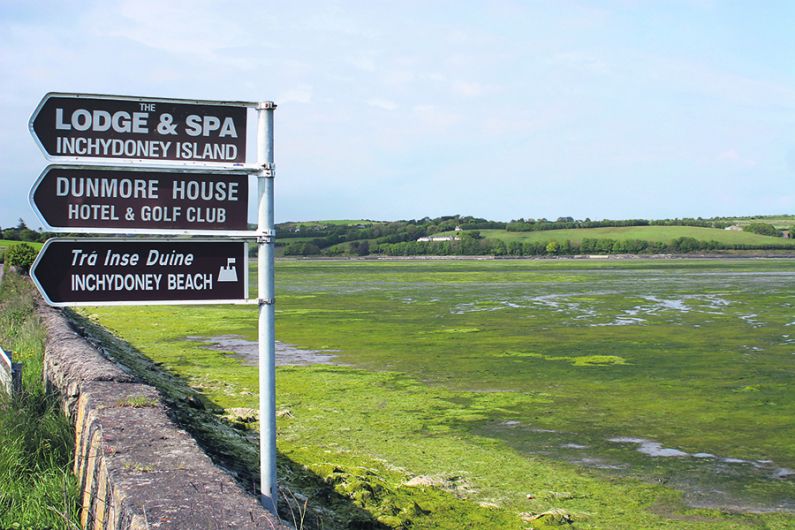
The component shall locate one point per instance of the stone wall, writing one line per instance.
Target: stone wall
(136, 469)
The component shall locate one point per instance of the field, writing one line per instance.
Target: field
(4, 243)
(782, 222)
(509, 394)
(662, 234)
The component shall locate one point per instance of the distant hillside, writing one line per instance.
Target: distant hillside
(658, 234)
(465, 235)
(344, 238)
(782, 222)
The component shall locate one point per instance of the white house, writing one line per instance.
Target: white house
(434, 239)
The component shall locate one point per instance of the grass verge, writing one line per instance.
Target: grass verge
(37, 489)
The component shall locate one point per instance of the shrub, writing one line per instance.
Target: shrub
(764, 229)
(20, 256)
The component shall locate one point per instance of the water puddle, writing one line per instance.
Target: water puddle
(477, 307)
(675, 304)
(752, 320)
(649, 447)
(707, 480)
(248, 351)
(589, 307)
(622, 321)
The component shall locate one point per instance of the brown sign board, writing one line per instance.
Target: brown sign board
(116, 199)
(71, 272)
(98, 127)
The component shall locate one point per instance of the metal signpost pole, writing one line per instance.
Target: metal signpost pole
(266, 326)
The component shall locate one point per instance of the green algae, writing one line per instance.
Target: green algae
(454, 330)
(495, 407)
(582, 360)
(309, 311)
(597, 360)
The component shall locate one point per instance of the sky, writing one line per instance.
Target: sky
(401, 110)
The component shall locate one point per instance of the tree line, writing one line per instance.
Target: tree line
(566, 223)
(399, 238)
(308, 239)
(479, 247)
(21, 232)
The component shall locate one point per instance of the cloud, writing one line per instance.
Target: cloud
(733, 157)
(473, 89)
(718, 83)
(399, 77)
(332, 19)
(468, 89)
(181, 27)
(614, 96)
(435, 119)
(383, 104)
(299, 94)
(581, 60)
(364, 61)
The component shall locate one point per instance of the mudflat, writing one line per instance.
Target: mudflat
(635, 394)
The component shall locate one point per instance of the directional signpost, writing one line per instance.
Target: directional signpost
(127, 165)
(130, 200)
(72, 272)
(94, 127)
